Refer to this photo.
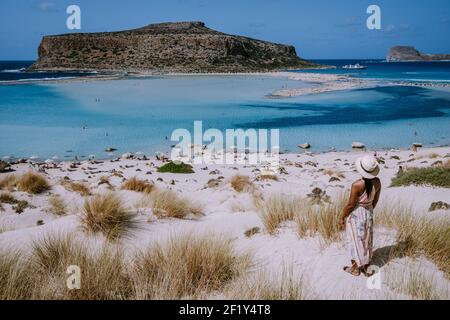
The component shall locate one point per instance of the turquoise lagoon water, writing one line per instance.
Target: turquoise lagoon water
(84, 118)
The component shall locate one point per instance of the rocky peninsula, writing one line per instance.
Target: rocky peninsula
(181, 47)
(407, 53)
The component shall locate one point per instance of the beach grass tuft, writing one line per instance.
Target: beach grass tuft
(416, 282)
(321, 220)
(135, 184)
(418, 233)
(266, 285)
(57, 205)
(15, 274)
(105, 213)
(18, 205)
(277, 209)
(241, 183)
(187, 266)
(168, 204)
(32, 182)
(78, 187)
(103, 273)
(8, 182)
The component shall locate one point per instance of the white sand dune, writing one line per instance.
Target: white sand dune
(231, 213)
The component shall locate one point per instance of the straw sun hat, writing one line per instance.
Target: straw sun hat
(367, 166)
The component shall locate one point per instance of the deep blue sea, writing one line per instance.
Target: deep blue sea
(82, 118)
(16, 71)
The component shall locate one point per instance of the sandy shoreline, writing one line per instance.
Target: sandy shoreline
(232, 213)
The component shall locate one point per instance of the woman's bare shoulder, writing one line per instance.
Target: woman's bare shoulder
(358, 184)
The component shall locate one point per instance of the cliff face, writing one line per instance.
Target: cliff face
(405, 53)
(165, 47)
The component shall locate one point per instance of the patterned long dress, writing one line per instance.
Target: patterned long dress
(359, 230)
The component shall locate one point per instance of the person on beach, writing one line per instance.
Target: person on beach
(357, 216)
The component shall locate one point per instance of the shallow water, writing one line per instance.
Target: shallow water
(83, 118)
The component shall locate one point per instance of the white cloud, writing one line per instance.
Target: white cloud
(46, 6)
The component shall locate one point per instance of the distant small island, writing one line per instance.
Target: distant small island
(407, 53)
(180, 47)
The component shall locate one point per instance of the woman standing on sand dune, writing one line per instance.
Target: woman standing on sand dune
(357, 216)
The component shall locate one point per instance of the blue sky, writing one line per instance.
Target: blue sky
(319, 29)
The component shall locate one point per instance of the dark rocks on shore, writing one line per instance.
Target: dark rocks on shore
(439, 205)
(304, 145)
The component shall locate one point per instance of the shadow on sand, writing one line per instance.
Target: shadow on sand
(383, 256)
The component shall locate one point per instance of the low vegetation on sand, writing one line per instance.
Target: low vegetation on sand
(3, 166)
(266, 285)
(418, 234)
(8, 182)
(79, 187)
(174, 167)
(32, 182)
(322, 220)
(310, 219)
(438, 176)
(57, 205)
(168, 204)
(105, 213)
(187, 265)
(135, 184)
(416, 282)
(241, 183)
(18, 205)
(277, 209)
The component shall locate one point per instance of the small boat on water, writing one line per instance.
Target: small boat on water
(354, 66)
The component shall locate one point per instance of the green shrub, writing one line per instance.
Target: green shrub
(435, 176)
(176, 168)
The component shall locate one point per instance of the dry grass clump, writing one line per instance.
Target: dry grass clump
(105, 213)
(421, 234)
(310, 219)
(78, 187)
(446, 164)
(103, 274)
(187, 266)
(241, 183)
(6, 197)
(168, 204)
(8, 182)
(135, 184)
(322, 220)
(57, 205)
(264, 177)
(14, 276)
(265, 285)
(431, 155)
(332, 172)
(277, 209)
(415, 282)
(18, 205)
(32, 182)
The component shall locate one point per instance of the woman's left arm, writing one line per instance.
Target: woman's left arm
(377, 195)
(351, 205)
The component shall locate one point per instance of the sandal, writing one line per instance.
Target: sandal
(367, 274)
(352, 271)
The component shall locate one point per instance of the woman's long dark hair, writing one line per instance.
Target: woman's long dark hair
(369, 185)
